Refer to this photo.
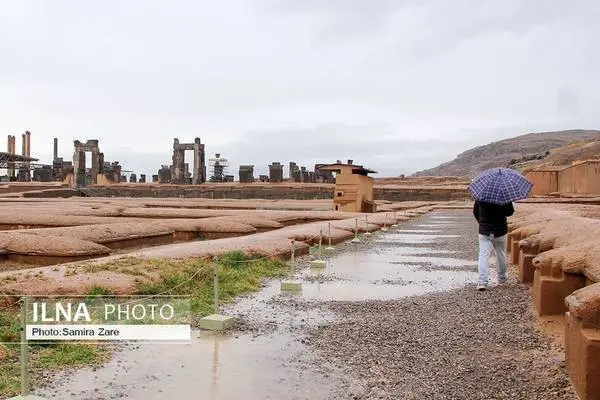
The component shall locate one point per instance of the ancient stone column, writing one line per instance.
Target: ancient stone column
(79, 166)
(276, 172)
(28, 143)
(55, 148)
(95, 166)
(198, 170)
(11, 150)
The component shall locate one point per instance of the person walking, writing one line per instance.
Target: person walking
(493, 232)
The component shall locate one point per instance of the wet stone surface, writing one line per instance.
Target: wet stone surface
(395, 316)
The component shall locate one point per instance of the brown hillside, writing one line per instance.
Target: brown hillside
(532, 147)
(566, 155)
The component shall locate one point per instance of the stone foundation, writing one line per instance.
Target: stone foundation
(525, 270)
(549, 292)
(269, 192)
(582, 341)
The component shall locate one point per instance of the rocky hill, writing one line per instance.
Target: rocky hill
(525, 151)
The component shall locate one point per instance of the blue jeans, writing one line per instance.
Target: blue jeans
(486, 243)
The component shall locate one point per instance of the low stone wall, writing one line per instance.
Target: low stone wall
(558, 253)
(273, 192)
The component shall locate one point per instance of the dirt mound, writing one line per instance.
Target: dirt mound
(104, 233)
(25, 244)
(212, 225)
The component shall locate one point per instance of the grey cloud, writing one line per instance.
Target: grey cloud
(398, 84)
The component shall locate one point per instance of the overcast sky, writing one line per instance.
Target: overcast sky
(396, 85)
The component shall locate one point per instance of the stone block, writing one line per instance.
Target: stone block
(216, 322)
(526, 269)
(582, 355)
(514, 251)
(549, 293)
(318, 264)
(292, 286)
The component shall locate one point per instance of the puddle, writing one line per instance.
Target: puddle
(414, 238)
(417, 231)
(211, 367)
(260, 365)
(384, 275)
(440, 224)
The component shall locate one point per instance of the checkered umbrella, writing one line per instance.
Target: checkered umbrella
(500, 186)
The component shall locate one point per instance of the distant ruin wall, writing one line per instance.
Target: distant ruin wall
(300, 192)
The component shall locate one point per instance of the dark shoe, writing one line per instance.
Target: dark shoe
(481, 288)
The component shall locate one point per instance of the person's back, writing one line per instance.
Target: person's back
(492, 217)
(493, 229)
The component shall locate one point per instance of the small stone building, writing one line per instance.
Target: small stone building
(579, 178)
(544, 179)
(353, 188)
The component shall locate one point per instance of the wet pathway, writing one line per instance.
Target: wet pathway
(267, 359)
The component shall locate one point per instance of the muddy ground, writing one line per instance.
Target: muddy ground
(394, 317)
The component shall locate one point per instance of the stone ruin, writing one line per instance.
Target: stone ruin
(246, 173)
(82, 176)
(179, 169)
(178, 172)
(295, 174)
(302, 175)
(276, 172)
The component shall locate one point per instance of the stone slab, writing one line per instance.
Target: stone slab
(28, 397)
(291, 285)
(216, 322)
(318, 264)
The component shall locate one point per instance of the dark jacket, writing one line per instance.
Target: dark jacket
(492, 217)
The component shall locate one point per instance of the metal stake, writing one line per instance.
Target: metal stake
(292, 259)
(216, 289)
(356, 239)
(367, 224)
(329, 248)
(320, 241)
(24, 349)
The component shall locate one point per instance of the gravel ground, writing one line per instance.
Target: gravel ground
(460, 344)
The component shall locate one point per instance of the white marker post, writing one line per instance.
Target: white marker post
(25, 357)
(384, 229)
(319, 263)
(367, 224)
(216, 321)
(291, 284)
(356, 239)
(330, 247)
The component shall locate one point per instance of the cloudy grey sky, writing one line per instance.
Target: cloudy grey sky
(397, 85)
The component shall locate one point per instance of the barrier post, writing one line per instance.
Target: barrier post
(330, 247)
(291, 284)
(215, 321)
(319, 263)
(356, 239)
